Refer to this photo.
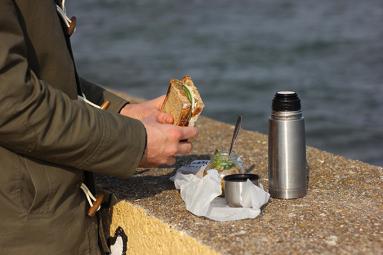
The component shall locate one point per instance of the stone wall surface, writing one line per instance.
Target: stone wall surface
(341, 214)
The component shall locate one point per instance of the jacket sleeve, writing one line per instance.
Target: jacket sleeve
(97, 94)
(41, 122)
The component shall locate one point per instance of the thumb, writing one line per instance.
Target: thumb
(157, 102)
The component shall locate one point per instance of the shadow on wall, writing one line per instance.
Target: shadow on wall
(142, 185)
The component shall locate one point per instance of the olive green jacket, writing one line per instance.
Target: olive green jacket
(48, 137)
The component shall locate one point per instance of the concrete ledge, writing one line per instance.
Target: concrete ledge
(149, 235)
(341, 214)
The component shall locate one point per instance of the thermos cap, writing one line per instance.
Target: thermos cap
(286, 101)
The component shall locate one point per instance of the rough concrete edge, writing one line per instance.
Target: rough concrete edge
(150, 235)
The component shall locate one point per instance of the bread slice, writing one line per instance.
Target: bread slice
(183, 102)
(177, 104)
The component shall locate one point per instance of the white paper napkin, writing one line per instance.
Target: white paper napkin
(201, 197)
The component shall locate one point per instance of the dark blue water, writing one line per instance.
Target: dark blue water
(241, 52)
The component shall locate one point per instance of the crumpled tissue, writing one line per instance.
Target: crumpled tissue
(201, 195)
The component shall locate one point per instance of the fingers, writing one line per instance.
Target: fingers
(170, 161)
(188, 132)
(165, 118)
(164, 141)
(184, 148)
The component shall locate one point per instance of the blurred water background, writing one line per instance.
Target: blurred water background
(241, 52)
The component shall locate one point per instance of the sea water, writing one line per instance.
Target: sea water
(241, 52)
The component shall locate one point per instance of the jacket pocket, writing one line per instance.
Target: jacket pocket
(48, 188)
(36, 188)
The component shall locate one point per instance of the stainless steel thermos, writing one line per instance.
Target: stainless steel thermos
(288, 172)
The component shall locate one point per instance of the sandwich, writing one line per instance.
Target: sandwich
(183, 102)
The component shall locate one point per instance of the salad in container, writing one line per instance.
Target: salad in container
(225, 164)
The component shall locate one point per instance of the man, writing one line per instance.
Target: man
(49, 139)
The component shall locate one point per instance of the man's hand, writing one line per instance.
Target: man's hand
(147, 109)
(164, 142)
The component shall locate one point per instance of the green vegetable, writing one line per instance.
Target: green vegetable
(188, 93)
(221, 161)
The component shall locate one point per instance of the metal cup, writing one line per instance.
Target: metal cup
(234, 184)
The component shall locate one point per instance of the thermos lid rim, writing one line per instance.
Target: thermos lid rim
(286, 101)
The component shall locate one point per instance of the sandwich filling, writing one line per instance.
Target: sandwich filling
(190, 95)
